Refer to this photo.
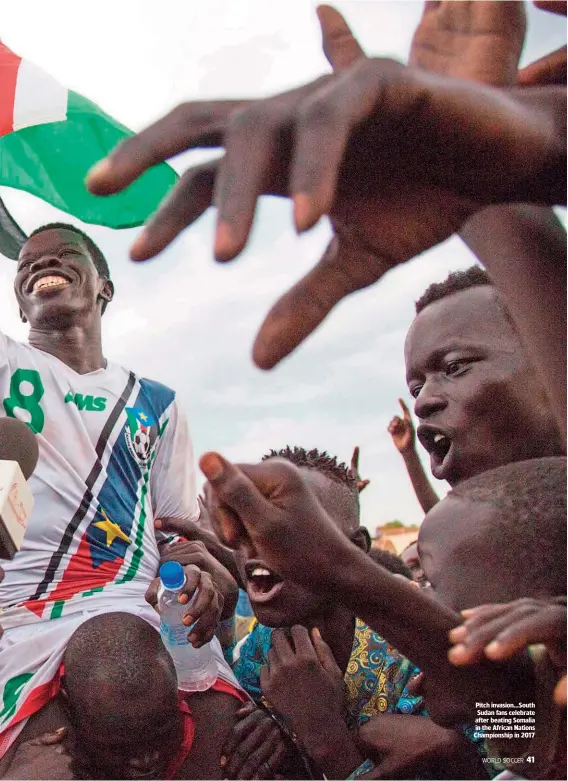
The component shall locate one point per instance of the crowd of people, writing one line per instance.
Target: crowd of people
(334, 660)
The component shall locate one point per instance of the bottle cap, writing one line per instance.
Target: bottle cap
(172, 575)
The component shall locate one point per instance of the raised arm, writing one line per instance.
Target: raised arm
(404, 439)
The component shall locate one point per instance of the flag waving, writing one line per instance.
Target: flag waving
(51, 136)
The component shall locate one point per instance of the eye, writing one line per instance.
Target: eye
(453, 367)
(67, 252)
(415, 391)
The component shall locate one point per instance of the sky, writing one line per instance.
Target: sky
(186, 321)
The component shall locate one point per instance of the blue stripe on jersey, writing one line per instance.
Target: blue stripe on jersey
(118, 496)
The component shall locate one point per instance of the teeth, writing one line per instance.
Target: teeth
(260, 571)
(438, 438)
(51, 281)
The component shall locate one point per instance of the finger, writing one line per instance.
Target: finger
(272, 764)
(475, 620)
(414, 685)
(323, 653)
(471, 648)
(362, 484)
(324, 122)
(151, 595)
(548, 626)
(265, 677)
(237, 493)
(187, 126)
(355, 460)
(550, 69)
(560, 692)
(282, 648)
(205, 599)
(303, 645)
(247, 746)
(246, 710)
(554, 6)
(189, 199)
(405, 411)
(239, 733)
(243, 173)
(339, 44)
(259, 763)
(342, 270)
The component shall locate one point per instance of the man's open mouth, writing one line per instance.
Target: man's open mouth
(439, 446)
(262, 584)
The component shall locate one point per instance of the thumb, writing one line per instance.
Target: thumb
(339, 44)
(238, 494)
(323, 653)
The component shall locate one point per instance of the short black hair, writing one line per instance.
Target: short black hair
(390, 561)
(97, 256)
(120, 649)
(474, 276)
(342, 504)
(530, 497)
(321, 462)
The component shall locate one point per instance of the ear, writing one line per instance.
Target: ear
(107, 292)
(23, 318)
(361, 538)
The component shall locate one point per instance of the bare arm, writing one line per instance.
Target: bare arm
(404, 439)
(523, 248)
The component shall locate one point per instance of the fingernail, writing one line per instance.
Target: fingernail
(457, 634)
(469, 612)
(493, 649)
(183, 599)
(100, 170)
(302, 212)
(223, 241)
(139, 247)
(157, 524)
(211, 466)
(188, 620)
(316, 633)
(223, 761)
(457, 654)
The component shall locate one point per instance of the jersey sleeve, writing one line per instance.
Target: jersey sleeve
(173, 479)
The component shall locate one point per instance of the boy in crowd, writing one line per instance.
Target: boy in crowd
(368, 676)
(274, 531)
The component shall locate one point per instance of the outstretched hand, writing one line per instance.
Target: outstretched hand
(373, 146)
(500, 631)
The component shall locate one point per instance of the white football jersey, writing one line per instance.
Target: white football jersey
(115, 453)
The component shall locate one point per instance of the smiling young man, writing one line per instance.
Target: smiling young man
(477, 396)
(115, 454)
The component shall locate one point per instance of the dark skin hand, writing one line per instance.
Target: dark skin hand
(192, 532)
(305, 685)
(205, 612)
(258, 507)
(196, 553)
(345, 169)
(256, 746)
(404, 746)
(500, 631)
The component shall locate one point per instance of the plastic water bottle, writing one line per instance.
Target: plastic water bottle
(196, 668)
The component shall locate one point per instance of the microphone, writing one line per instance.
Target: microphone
(19, 454)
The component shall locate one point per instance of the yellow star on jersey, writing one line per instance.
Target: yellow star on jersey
(111, 529)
